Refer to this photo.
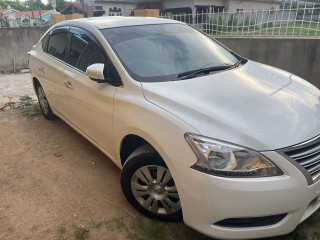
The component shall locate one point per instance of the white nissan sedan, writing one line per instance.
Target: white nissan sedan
(229, 145)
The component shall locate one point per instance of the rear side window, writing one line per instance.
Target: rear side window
(57, 45)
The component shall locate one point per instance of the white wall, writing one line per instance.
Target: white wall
(249, 5)
(126, 8)
(230, 5)
(167, 4)
(210, 2)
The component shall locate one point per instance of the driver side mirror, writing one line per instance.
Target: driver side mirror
(95, 72)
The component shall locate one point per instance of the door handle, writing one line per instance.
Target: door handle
(41, 69)
(68, 84)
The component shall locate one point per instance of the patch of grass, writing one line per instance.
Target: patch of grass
(27, 107)
(145, 229)
(119, 224)
(269, 29)
(9, 105)
(25, 98)
(314, 220)
(30, 109)
(298, 236)
(81, 233)
(62, 233)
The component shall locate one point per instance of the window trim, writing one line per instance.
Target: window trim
(117, 81)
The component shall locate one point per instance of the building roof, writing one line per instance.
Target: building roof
(76, 5)
(35, 13)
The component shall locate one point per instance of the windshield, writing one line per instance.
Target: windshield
(157, 53)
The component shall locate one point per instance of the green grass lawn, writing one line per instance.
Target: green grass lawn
(299, 29)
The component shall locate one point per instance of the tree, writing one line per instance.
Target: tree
(17, 5)
(32, 5)
(61, 4)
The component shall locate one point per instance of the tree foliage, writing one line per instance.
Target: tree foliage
(17, 5)
(32, 5)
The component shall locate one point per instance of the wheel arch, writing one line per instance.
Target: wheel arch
(131, 141)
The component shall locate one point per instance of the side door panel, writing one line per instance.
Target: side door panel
(52, 70)
(87, 105)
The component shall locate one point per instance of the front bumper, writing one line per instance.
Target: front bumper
(207, 199)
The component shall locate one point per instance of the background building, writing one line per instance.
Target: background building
(126, 7)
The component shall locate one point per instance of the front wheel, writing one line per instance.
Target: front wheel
(148, 185)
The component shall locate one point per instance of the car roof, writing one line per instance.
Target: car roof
(120, 21)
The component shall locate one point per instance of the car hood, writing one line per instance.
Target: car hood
(254, 105)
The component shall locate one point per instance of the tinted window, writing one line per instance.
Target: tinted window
(84, 52)
(162, 52)
(57, 45)
(77, 46)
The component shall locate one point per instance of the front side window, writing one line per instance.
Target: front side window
(152, 53)
(84, 52)
(57, 45)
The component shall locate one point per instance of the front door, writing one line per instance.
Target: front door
(87, 105)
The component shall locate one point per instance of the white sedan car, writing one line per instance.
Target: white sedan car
(202, 134)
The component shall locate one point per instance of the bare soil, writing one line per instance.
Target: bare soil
(52, 177)
(55, 185)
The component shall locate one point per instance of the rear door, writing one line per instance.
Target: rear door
(48, 64)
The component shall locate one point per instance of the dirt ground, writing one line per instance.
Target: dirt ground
(52, 177)
(55, 185)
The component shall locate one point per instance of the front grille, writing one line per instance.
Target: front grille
(308, 156)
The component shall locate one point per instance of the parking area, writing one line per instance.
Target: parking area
(56, 185)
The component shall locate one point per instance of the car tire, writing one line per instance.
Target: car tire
(44, 104)
(148, 185)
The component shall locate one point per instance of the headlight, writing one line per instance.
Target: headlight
(227, 160)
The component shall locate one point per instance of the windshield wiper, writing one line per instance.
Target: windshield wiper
(207, 70)
(241, 61)
(204, 71)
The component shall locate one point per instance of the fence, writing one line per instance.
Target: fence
(288, 21)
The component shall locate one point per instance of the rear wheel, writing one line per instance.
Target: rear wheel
(148, 185)
(44, 104)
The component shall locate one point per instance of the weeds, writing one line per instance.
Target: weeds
(140, 228)
(81, 233)
(62, 233)
(145, 229)
(26, 106)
